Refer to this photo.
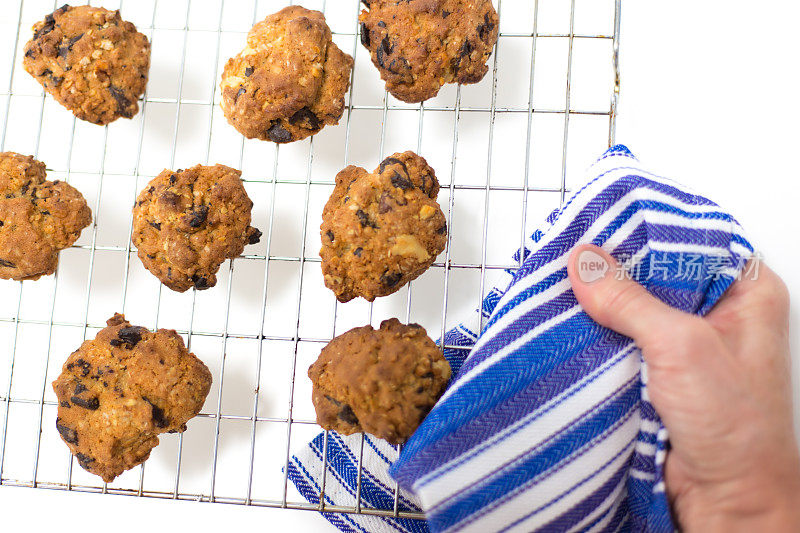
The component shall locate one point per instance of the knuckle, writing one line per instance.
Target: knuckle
(777, 293)
(623, 299)
(692, 332)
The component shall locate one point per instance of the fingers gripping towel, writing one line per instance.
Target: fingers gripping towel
(547, 424)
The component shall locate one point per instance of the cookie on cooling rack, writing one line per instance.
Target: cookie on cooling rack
(186, 223)
(419, 45)
(383, 229)
(380, 381)
(289, 81)
(93, 63)
(38, 218)
(118, 392)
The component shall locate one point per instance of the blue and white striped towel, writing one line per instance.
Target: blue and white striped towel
(547, 424)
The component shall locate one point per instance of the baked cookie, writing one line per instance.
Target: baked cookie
(93, 63)
(116, 393)
(381, 230)
(289, 81)
(419, 45)
(381, 381)
(38, 218)
(186, 223)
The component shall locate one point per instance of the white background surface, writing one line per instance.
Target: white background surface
(709, 97)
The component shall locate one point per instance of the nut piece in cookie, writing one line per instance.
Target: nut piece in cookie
(289, 81)
(93, 63)
(419, 45)
(381, 381)
(38, 218)
(383, 229)
(118, 392)
(186, 223)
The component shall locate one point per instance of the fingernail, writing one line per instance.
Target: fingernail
(591, 266)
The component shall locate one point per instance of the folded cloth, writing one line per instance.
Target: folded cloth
(547, 424)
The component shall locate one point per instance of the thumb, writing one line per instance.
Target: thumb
(618, 302)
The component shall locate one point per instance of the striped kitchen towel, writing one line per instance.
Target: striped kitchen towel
(547, 424)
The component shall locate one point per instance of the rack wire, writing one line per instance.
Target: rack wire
(41, 322)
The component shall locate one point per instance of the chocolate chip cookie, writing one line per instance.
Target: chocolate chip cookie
(383, 229)
(118, 392)
(289, 81)
(381, 381)
(186, 223)
(93, 63)
(38, 218)
(419, 45)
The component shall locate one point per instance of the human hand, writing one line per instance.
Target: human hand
(721, 385)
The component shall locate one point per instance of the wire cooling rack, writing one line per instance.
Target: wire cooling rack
(506, 152)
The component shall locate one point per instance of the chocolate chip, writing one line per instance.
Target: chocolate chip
(427, 184)
(333, 401)
(169, 198)
(465, 50)
(24, 187)
(400, 65)
(30, 53)
(427, 375)
(67, 433)
(390, 280)
(248, 71)
(364, 35)
(488, 23)
(255, 236)
(364, 219)
(239, 93)
(84, 460)
(392, 161)
(442, 230)
(330, 235)
(305, 115)
(379, 55)
(156, 225)
(172, 179)
(445, 13)
(386, 45)
(401, 183)
(123, 105)
(57, 79)
(483, 32)
(85, 367)
(347, 415)
(279, 134)
(79, 388)
(7, 264)
(384, 206)
(157, 414)
(128, 337)
(65, 404)
(169, 272)
(357, 251)
(91, 404)
(65, 49)
(381, 24)
(199, 215)
(200, 282)
(49, 24)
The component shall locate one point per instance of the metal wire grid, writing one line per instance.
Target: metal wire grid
(295, 338)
